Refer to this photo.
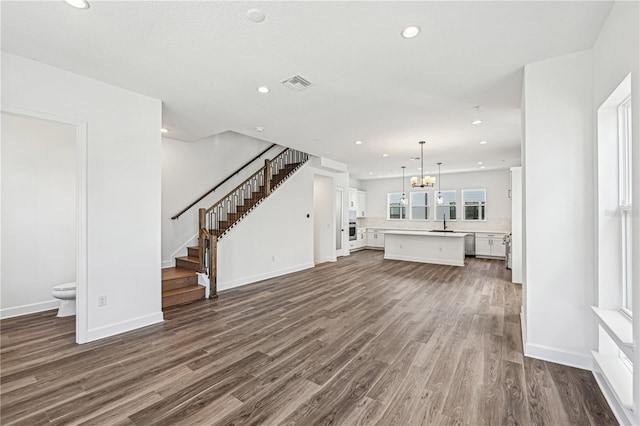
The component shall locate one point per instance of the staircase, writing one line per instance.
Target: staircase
(180, 284)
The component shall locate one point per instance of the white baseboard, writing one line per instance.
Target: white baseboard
(623, 415)
(424, 260)
(181, 251)
(226, 285)
(325, 259)
(123, 327)
(31, 308)
(580, 360)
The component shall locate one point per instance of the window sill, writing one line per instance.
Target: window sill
(617, 376)
(618, 326)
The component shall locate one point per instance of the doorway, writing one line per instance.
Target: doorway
(323, 222)
(43, 180)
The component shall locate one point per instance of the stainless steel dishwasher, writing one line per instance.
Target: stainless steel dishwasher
(470, 244)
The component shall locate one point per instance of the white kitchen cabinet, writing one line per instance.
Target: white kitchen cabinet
(375, 238)
(353, 199)
(490, 245)
(359, 242)
(361, 204)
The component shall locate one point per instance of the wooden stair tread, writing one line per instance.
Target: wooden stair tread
(189, 259)
(176, 272)
(191, 288)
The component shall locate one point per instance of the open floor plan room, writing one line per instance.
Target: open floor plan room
(362, 341)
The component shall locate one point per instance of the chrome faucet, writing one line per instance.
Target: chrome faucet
(444, 218)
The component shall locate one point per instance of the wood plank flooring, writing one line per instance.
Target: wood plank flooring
(363, 341)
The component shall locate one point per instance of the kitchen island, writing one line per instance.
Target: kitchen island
(441, 248)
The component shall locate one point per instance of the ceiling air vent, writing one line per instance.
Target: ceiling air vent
(296, 83)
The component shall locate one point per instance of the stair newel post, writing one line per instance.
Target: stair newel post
(267, 177)
(213, 267)
(202, 224)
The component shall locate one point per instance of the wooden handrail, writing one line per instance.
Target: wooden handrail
(221, 183)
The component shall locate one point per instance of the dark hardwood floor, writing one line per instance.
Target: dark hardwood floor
(362, 341)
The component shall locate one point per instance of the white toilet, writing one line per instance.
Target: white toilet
(67, 295)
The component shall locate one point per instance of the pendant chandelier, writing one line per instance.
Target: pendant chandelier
(424, 180)
(439, 199)
(403, 200)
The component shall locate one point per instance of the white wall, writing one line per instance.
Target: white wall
(498, 210)
(324, 236)
(558, 150)
(190, 169)
(122, 189)
(38, 212)
(275, 239)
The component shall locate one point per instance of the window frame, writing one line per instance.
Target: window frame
(403, 208)
(625, 206)
(484, 206)
(428, 205)
(435, 210)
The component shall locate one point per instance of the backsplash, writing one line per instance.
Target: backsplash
(490, 225)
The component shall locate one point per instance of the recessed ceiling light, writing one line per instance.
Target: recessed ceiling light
(255, 15)
(163, 130)
(482, 167)
(379, 175)
(411, 31)
(476, 122)
(263, 89)
(80, 4)
(259, 129)
(385, 155)
(358, 142)
(479, 162)
(483, 142)
(370, 173)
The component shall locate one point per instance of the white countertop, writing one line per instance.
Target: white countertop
(387, 230)
(427, 233)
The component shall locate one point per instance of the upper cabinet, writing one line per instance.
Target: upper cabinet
(361, 204)
(353, 198)
(358, 202)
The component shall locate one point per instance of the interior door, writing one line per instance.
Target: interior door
(339, 218)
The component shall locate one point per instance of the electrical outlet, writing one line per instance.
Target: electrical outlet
(102, 300)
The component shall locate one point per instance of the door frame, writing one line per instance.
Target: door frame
(82, 317)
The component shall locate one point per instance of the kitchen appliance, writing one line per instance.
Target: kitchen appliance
(352, 231)
(507, 249)
(470, 244)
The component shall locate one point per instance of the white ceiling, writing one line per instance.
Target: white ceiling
(204, 60)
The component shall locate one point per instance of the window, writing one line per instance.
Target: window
(624, 188)
(395, 209)
(474, 204)
(419, 205)
(448, 209)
